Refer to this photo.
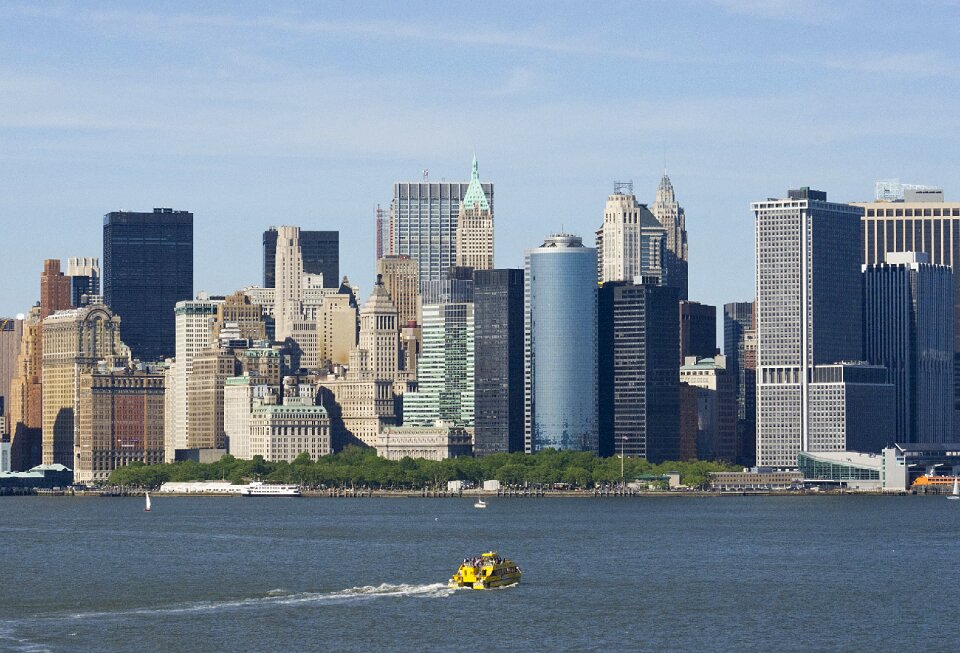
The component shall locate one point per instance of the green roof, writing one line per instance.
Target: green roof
(475, 195)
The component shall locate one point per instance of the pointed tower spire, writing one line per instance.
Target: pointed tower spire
(475, 197)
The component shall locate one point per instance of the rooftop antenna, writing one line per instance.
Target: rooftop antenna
(426, 174)
(620, 186)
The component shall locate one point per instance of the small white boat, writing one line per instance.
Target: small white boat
(146, 508)
(480, 504)
(956, 490)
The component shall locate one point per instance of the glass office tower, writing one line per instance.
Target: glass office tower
(147, 269)
(560, 345)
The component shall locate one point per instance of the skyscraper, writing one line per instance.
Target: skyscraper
(630, 243)
(194, 326)
(320, 251)
(445, 372)
(289, 281)
(147, 269)
(474, 244)
(54, 289)
(11, 337)
(379, 333)
(908, 328)
(498, 352)
(74, 342)
(637, 362)
(921, 223)
(716, 407)
(671, 215)
(84, 273)
(739, 347)
(560, 345)
(808, 315)
(401, 277)
(423, 223)
(698, 330)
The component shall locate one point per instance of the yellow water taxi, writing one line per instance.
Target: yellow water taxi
(486, 571)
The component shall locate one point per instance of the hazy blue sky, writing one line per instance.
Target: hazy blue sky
(253, 114)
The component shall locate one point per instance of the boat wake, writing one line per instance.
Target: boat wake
(276, 597)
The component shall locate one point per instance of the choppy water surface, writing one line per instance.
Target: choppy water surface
(676, 574)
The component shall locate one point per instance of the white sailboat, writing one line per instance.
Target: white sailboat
(480, 504)
(956, 489)
(146, 508)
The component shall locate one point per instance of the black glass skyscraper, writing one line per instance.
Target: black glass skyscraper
(147, 269)
(639, 373)
(320, 251)
(498, 352)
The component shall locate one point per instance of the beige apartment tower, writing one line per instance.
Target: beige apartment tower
(288, 274)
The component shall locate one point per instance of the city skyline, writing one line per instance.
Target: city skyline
(246, 133)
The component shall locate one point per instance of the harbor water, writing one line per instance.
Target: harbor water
(828, 573)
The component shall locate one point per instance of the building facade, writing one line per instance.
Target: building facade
(121, 416)
(283, 432)
(808, 312)
(445, 372)
(918, 220)
(631, 242)
(320, 251)
(147, 269)
(84, 273)
(498, 356)
(560, 346)
(474, 236)
(639, 391)
(240, 395)
(75, 341)
(435, 442)
(716, 407)
(423, 223)
(740, 349)
(288, 277)
(908, 328)
(671, 216)
(698, 330)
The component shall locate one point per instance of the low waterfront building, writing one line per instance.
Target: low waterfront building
(848, 469)
(41, 476)
(759, 480)
(201, 487)
(436, 442)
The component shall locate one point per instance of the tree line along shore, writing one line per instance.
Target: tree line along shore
(359, 467)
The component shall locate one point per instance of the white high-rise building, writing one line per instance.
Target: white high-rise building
(194, 321)
(631, 241)
(289, 282)
(808, 317)
(670, 214)
(240, 395)
(380, 334)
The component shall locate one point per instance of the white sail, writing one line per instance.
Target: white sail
(956, 487)
(147, 508)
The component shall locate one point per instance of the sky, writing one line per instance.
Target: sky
(257, 114)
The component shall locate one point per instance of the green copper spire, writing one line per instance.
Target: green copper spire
(475, 195)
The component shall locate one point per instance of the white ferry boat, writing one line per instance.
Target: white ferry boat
(259, 489)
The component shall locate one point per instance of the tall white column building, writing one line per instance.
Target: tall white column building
(809, 319)
(289, 282)
(194, 322)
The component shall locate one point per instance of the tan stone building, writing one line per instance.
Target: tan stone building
(359, 407)
(121, 418)
(336, 330)
(436, 442)
(380, 334)
(241, 316)
(74, 342)
(211, 369)
(283, 432)
(401, 278)
(474, 239)
(24, 400)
